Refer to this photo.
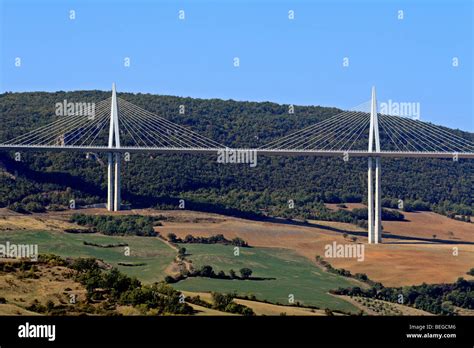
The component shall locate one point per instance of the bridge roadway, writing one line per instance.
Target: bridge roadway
(260, 151)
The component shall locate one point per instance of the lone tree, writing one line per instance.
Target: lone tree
(171, 237)
(207, 271)
(182, 251)
(245, 273)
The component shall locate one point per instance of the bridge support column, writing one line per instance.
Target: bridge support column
(370, 202)
(110, 182)
(374, 202)
(117, 191)
(378, 202)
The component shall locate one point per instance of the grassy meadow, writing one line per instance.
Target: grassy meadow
(293, 274)
(149, 250)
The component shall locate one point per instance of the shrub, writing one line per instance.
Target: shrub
(245, 272)
(34, 207)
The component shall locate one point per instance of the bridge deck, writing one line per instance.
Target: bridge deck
(260, 151)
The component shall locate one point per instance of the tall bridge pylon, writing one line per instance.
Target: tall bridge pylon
(374, 204)
(114, 198)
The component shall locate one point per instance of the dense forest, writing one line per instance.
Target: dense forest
(51, 180)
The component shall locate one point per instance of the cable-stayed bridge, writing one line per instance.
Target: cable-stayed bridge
(117, 126)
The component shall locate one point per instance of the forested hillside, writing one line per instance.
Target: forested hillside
(51, 179)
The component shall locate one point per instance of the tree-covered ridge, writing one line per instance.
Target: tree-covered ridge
(161, 180)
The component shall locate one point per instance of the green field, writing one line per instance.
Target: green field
(150, 250)
(294, 275)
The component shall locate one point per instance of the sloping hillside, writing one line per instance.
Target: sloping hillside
(207, 185)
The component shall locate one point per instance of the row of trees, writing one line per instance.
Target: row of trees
(116, 245)
(207, 271)
(224, 303)
(387, 215)
(217, 239)
(137, 225)
(346, 273)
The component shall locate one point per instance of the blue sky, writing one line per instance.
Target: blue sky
(296, 61)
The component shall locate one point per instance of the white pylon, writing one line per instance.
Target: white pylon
(113, 181)
(374, 207)
(110, 181)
